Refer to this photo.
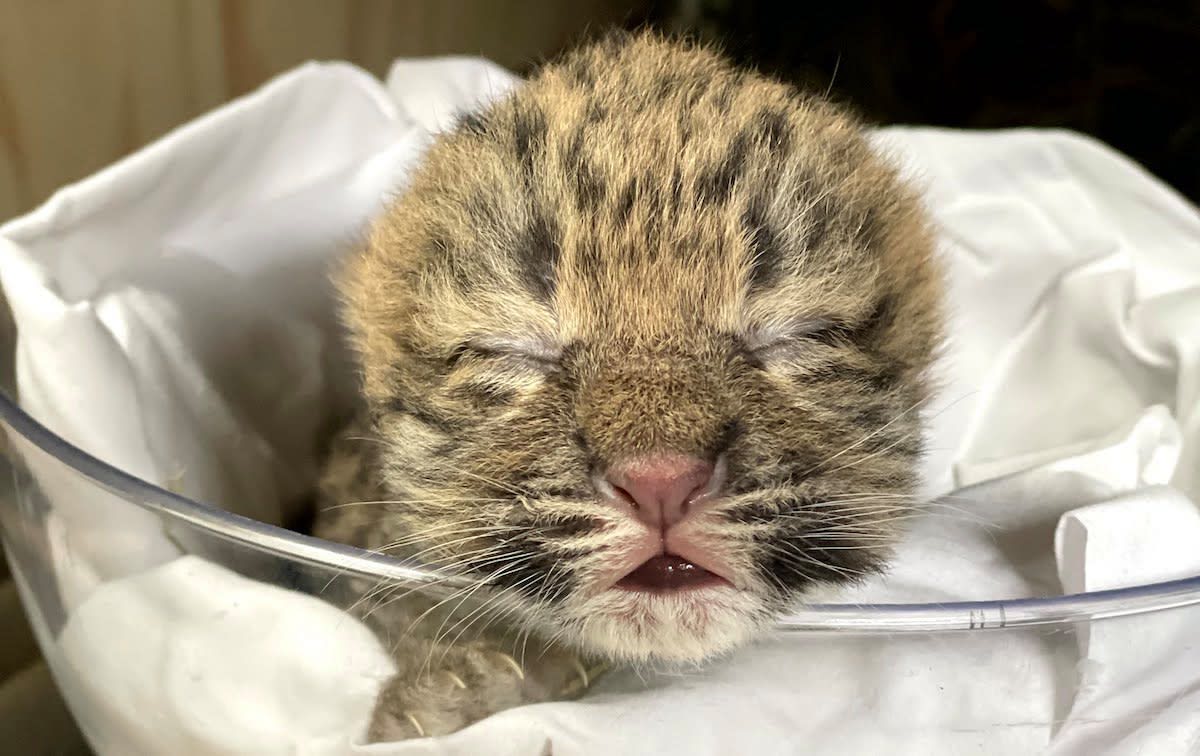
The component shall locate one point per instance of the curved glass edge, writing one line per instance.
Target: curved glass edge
(843, 618)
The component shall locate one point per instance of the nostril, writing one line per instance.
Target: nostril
(624, 495)
(611, 489)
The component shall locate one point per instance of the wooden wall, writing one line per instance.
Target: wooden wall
(83, 82)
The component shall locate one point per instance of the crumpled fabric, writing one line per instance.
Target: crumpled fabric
(175, 320)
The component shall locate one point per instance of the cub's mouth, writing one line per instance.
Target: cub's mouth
(669, 573)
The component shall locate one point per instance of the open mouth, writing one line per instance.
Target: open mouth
(667, 573)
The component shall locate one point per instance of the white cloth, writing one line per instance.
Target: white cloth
(175, 321)
(308, 689)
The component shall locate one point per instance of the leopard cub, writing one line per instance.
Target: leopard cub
(643, 350)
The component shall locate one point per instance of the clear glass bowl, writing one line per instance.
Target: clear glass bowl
(39, 547)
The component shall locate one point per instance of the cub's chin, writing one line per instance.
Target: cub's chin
(667, 627)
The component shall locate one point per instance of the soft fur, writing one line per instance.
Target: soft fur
(642, 249)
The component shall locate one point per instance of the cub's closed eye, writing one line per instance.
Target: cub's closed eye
(793, 339)
(533, 354)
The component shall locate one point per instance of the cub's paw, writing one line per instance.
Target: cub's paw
(443, 694)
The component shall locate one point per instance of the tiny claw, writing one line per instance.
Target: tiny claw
(585, 678)
(582, 670)
(512, 663)
(415, 723)
(456, 680)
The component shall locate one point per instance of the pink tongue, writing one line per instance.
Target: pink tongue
(667, 572)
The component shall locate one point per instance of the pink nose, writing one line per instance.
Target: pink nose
(662, 489)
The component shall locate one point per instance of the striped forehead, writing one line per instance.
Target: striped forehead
(617, 214)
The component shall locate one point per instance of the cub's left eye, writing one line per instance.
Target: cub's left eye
(793, 340)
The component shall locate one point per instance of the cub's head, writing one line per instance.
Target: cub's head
(645, 344)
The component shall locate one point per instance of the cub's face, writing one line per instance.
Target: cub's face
(652, 333)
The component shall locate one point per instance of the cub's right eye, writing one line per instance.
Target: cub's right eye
(510, 353)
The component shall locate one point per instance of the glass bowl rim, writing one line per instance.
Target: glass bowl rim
(842, 618)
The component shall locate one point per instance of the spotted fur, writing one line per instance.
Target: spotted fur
(643, 249)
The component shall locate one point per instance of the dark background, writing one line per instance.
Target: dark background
(1127, 73)
(83, 82)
